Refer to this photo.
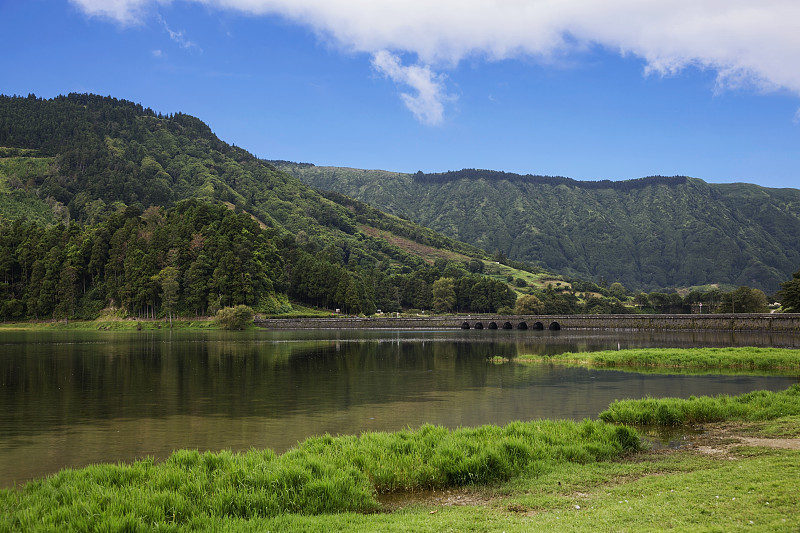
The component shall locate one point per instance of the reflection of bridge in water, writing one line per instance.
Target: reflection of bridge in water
(784, 322)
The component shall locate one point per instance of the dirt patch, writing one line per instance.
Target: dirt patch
(719, 439)
(786, 444)
(443, 498)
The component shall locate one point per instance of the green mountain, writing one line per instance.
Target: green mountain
(651, 234)
(106, 203)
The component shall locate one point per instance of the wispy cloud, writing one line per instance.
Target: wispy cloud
(178, 37)
(753, 44)
(428, 102)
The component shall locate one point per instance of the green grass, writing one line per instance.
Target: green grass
(740, 358)
(754, 406)
(300, 311)
(752, 490)
(112, 324)
(783, 427)
(322, 475)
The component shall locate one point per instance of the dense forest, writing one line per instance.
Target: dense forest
(105, 204)
(652, 234)
(194, 259)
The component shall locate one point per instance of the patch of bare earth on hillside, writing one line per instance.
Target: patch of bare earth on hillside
(421, 250)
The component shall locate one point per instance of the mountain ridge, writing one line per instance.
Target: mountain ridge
(651, 233)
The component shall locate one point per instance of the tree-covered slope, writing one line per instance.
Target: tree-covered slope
(83, 156)
(106, 203)
(650, 234)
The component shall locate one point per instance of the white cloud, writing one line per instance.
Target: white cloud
(123, 11)
(749, 43)
(427, 105)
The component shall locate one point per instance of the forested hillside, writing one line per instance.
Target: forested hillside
(650, 234)
(105, 203)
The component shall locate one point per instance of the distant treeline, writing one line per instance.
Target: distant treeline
(494, 175)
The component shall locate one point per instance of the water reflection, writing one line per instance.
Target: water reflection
(73, 398)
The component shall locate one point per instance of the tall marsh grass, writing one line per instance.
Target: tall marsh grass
(322, 475)
(753, 406)
(738, 358)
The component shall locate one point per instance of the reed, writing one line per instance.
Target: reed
(753, 406)
(191, 490)
(738, 358)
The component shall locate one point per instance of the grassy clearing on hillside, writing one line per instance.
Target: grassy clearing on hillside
(322, 475)
(754, 406)
(744, 358)
(533, 280)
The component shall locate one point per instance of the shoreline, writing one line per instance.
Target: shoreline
(784, 323)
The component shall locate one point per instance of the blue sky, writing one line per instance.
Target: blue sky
(590, 90)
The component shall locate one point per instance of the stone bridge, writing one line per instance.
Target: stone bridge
(778, 322)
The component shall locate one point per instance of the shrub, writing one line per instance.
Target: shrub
(237, 317)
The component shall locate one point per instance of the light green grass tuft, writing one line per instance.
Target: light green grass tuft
(754, 406)
(748, 359)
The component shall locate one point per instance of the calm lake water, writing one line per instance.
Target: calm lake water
(68, 399)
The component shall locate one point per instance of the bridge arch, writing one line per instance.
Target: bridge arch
(554, 326)
(538, 326)
(507, 325)
(465, 325)
(522, 325)
(478, 325)
(492, 325)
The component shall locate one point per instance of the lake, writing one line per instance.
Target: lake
(72, 398)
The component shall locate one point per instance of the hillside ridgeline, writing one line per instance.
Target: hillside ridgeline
(649, 234)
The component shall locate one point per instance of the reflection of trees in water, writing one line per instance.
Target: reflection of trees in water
(67, 378)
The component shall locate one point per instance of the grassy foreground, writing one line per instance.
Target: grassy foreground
(746, 488)
(740, 358)
(322, 475)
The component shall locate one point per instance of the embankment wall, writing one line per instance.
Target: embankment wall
(784, 322)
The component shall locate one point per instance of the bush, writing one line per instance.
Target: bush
(237, 317)
(528, 305)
